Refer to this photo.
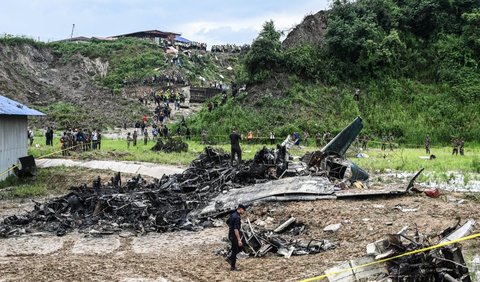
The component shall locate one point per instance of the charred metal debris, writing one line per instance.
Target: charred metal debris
(282, 240)
(210, 187)
(441, 264)
(170, 145)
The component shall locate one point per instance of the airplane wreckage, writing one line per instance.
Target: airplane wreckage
(209, 188)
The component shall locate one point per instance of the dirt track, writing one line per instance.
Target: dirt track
(190, 256)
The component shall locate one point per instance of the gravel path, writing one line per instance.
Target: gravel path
(148, 169)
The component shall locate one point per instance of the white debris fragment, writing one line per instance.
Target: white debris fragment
(332, 227)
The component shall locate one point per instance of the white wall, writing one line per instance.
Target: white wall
(13, 141)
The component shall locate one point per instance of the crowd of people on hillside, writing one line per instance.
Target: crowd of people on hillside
(191, 45)
(166, 80)
(182, 44)
(230, 48)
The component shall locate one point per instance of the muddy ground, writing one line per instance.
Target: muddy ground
(191, 256)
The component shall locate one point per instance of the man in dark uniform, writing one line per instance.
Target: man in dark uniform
(365, 142)
(384, 142)
(390, 141)
(456, 144)
(235, 147)
(461, 144)
(428, 143)
(234, 228)
(318, 139)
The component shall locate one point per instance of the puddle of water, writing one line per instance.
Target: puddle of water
(456, 181)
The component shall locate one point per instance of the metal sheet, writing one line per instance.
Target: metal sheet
(287, 187)
(360, 274)
(13, 141)
(344, 139)
(11, 107)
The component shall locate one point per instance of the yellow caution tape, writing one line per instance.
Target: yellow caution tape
(326, 275)
(41, 157)
(8, 170)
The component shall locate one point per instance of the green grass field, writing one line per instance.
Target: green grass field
(401, 159)
(56, 180)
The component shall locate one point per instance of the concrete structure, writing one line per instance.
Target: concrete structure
(13, 133)
(156, 36)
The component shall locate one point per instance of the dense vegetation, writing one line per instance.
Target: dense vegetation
(416, 63)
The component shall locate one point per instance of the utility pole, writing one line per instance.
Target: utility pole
(73, 28)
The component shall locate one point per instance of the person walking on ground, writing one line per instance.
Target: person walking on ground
(318, 140)
(99, 140)
(356, 96)
(188, 134)
(234, 228)
(142, 127)
(235, 147)
(391, 140)
(129, 140)
(296, 136)
(272, 138)
(306, 135)
(80, 140)
(63, 144)
(94, 139)
(49, 136)
(462, 147)
(30, 135)
(250, 136)
(365, 142)
(455, 147)
(145, 136)
(428, 143)
(356, 144)
(135, 137)
(384, 142)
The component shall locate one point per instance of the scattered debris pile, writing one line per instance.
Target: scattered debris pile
(210, 187)
(282, 240)
(171, 145)
(106, 209)
(445, 263)
(162, 205)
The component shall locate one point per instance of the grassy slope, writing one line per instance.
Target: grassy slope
(408, 109)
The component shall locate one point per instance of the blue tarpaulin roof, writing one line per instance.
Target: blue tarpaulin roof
(182, 39)
(10, 107)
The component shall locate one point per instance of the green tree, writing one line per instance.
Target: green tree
(265, 54)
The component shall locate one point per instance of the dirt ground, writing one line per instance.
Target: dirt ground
(191, 256)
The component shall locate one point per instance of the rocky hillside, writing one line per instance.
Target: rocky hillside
(311, 30)
(84, 84)
(68, 92)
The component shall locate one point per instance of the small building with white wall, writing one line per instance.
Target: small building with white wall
(13, 133)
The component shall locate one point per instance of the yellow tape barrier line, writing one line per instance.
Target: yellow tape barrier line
(47, 155)
(326, 275)
(8, 170)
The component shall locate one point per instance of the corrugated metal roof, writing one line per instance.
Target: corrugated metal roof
(11, 107)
